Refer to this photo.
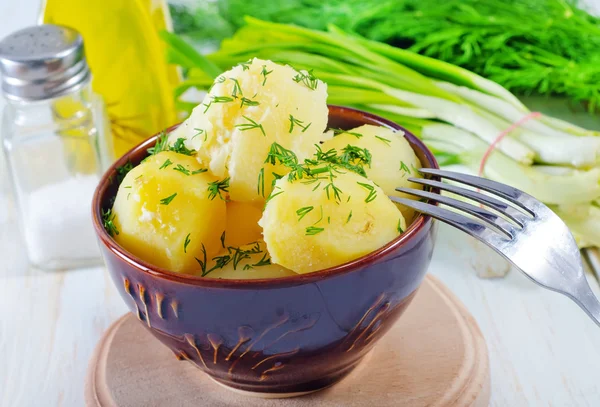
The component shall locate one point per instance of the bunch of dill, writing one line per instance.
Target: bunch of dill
(548, 47)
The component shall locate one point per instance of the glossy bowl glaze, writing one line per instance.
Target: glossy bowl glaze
(274, 337)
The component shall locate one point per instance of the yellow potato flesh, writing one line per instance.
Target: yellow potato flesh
(164, 229)
(225, 128)
(247, 268)
(242, 224)
(393, 160)
(331, 232)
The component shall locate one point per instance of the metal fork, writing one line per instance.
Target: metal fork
(534, 239)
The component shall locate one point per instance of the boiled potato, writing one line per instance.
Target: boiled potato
(393, 160)
(164, 214)
(246, 262)
(307, 227)
(249, 108)
(242, 223)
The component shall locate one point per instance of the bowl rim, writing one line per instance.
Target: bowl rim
(157, 272)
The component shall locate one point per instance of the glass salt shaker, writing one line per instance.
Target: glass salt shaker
(55, 143)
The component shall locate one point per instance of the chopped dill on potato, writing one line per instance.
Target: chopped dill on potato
(167, 200)
(312, 230)
(299, 123)
(108, 218)
(217, 188)
(386, 141)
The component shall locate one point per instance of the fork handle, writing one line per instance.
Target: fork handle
(585, 298)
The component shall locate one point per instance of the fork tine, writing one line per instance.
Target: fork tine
(515, 215)
(511, 194)
(483, 214)
(467, 225)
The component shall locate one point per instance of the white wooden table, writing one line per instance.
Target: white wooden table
(543, 349)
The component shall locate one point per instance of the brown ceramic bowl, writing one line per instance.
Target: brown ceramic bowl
(278, 336)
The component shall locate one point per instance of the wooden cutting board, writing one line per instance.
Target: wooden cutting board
(435, 355)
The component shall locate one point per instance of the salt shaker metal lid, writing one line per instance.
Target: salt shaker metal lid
(42, 62)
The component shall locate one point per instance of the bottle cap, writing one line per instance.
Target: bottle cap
(42, 62)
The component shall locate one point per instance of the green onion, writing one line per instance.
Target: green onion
(457, 113)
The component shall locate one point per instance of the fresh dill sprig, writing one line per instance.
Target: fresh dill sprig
(265, 73)
(265, 261)
(198, 133)
(351, 154)
(404, 167)
(239, 254)
(324, 167)
(279, 153)
(349, 217)
(162, 143)
(217, 188)
(186, 242)
(337, 132)
(200, 171)
(312, 230)
(321, 217)
(354, 159)
(245, 65)
(217, 99)
(272, 195)
(329, 155)
(108, 218)
(165, 164)
(234, 255)
(182, 169)
(303, 211)
(220, 79)
(237, 89)
(275, 178)
(223, 239)
(386, 141)
(220, 262)
(250, 125)
(299, 123)
(248, 102)
(308, 79)
(167, 200)
(287, 158)
(399, 227)
(335, 191)
(202, 263)
(372, 193)
(260, 187)
(179, 147)
(123, 170)
(222, 99)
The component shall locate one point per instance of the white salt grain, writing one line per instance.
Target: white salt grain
(58, 221)
(146, 215)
